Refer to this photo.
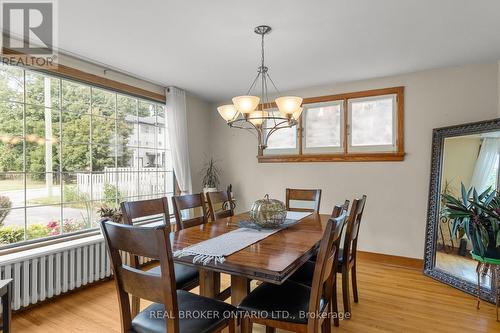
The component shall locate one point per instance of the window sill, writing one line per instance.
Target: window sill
(353, 157)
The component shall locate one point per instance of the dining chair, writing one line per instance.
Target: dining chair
(313, 196)
(304, 275)
(347, 258)
(170, 305)
(186, 277)
(193, 202)
(219, 205)
(344, 267)
(286, 306)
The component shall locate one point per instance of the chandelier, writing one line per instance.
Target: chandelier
(255, 112)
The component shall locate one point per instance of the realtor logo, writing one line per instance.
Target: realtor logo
(29, 26)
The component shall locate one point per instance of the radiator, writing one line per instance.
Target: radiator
(47, 272)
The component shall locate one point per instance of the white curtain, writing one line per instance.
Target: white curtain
(487, 161)
(177, 131)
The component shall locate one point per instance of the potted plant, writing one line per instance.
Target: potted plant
(479, 216)
(211, 177)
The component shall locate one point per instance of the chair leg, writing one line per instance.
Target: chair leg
(335, 303)
(246, 325)
(326, 326)
(232, 325)
(345, 291)
(270, 329)
(354, 283)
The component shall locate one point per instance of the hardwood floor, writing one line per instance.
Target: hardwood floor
(392, 299)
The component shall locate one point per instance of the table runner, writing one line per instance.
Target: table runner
(219, 247)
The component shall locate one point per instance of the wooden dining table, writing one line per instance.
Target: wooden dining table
(272, 259)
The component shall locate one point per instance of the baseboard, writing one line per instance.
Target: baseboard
(391, 260)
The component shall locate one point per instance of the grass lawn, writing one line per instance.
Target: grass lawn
(54, 200)
(16, 184)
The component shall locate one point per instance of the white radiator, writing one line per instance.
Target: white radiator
(46, 272)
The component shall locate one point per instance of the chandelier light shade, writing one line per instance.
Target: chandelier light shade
(288, 105)
(228, 112)
(246, 104)
(257, 117)
(257, 113)
(296, 114)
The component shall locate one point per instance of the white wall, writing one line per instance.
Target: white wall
(199, 131)
(395, 214)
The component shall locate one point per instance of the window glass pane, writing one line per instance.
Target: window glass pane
(76, 217)
(75, 157)
(11, 191)
(284, 138)
(372, 122)
(146, 109)
(75, 97)
(103, 102)
(103, 130)
(148, 183)
(323, 126)
(42, 221)
(103, 157)
(76, 187)
(42, 90)
(11, 154)
(127, 108)
(43, 189)
(11, 120)
(75, 128)
(128, 183)
(42, 124)
(11, 83)
(12, 228)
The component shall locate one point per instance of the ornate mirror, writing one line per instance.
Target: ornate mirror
(464, 154)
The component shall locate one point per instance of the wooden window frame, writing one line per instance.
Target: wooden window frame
(64, 71)
(346, 156)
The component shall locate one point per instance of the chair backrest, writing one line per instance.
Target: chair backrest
(156, 208)
(149, 242)
(189, 201)
(327, 259)
(352, 230)
(303, 195)
(140, 209)
(219, 204)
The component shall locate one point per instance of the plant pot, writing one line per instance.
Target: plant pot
(492, 251)
(209, 189)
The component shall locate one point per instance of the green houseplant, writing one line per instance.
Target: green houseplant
(211, 176)
(478, 214)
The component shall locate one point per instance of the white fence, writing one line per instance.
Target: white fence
(130, 182)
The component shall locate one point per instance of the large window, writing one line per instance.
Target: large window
(68, 150)
(360, 126)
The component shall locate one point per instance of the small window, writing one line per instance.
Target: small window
(372, 124)
(323, 127)
(283, 141)
(357, 126)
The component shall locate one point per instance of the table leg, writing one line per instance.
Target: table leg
(209, 283)
(6, 311)
(240, 287)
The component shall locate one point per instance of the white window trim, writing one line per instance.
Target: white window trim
(323, 150)
(373, 148)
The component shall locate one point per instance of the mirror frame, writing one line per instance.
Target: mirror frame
(438, 137)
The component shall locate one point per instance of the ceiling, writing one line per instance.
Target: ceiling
(209, 48)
